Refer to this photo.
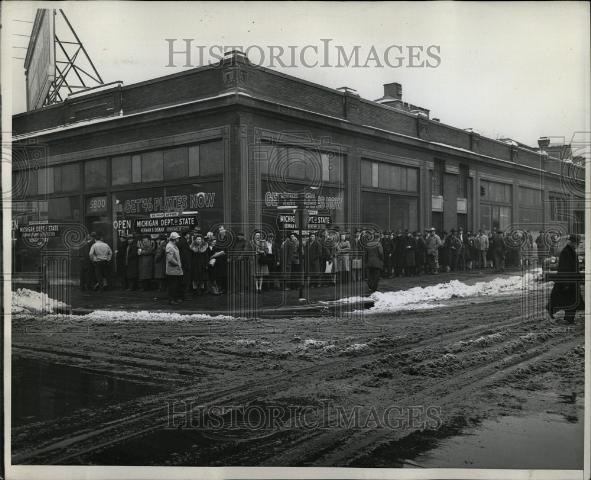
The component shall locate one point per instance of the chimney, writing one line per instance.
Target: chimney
(393, 90)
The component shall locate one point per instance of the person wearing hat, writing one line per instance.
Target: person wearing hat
(499, 249)
(131, 263)
(420, 253)
(566, 293)
(160, 262)
(87, 279)
(100, 254)
(432, 245)
(174, 269)
(374, 261)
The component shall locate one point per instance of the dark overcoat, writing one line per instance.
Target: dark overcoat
(566, 294)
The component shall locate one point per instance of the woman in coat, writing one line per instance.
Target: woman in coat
(260, 268)
(131, 263)
(290, 261)
(146, 263)
(160, 262)
(566, 294)
(374, 261)
(329, 267)
(420, 253)
(410, 246)
(199, 261)
(312, 257)
(356, 258)
(343, 248)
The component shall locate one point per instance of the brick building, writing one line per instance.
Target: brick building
(231, 143)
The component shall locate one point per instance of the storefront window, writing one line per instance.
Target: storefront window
(64, 209)
(136, 168)
(121, 170)
(152, 166)
(95, 173)
(193, 160)
(45, 181)
(211, 158)
(390, 212)
(176, 163)
(366, 173)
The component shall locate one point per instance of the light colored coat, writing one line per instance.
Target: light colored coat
(173, 260)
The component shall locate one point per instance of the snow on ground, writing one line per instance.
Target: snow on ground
(419, 298)
(30, 301)
(121, 316)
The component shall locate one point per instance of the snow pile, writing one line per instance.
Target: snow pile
(30, 301)
(419, 298)
(145, 316)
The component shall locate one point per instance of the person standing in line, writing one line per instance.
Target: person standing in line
(433, 243)
(566, 293)
(374, 254)
(100, 255)
(313, 256)
(388, 246)
(455, 247)
(131, 263)
(420, 253)
(260, 268)
(240, 277)
(160, 262)
(199, 260)
(357, 258)
(185, 252)
(462, 253)
(87, 280)
(481, 245)
(272, 262)
(410, 247)
(174, 270)
(343, 247)
(499, 249)
(146, 263)
(120, 253)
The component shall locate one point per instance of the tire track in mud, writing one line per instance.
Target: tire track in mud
(151, 418)
(343, 447)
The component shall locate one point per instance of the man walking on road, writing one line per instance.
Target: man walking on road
(566, 294)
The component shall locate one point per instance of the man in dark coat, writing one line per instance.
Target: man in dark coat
(131, 263)
(420, 253)
(86, 271)
(312, 257)
(374, 261)
(499, 249)
(398, 253)
(186, 255)
(566, 294)
(388, 246)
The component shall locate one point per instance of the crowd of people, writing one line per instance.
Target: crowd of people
(200, 263)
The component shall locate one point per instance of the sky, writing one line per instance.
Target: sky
(518, 70)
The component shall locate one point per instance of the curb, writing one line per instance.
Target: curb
(320, 308)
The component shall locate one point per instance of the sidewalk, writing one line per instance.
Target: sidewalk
(270, 303)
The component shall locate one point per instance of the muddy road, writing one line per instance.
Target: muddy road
(361, 390)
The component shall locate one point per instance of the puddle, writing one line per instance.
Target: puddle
(44, 391)
(544, 441)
